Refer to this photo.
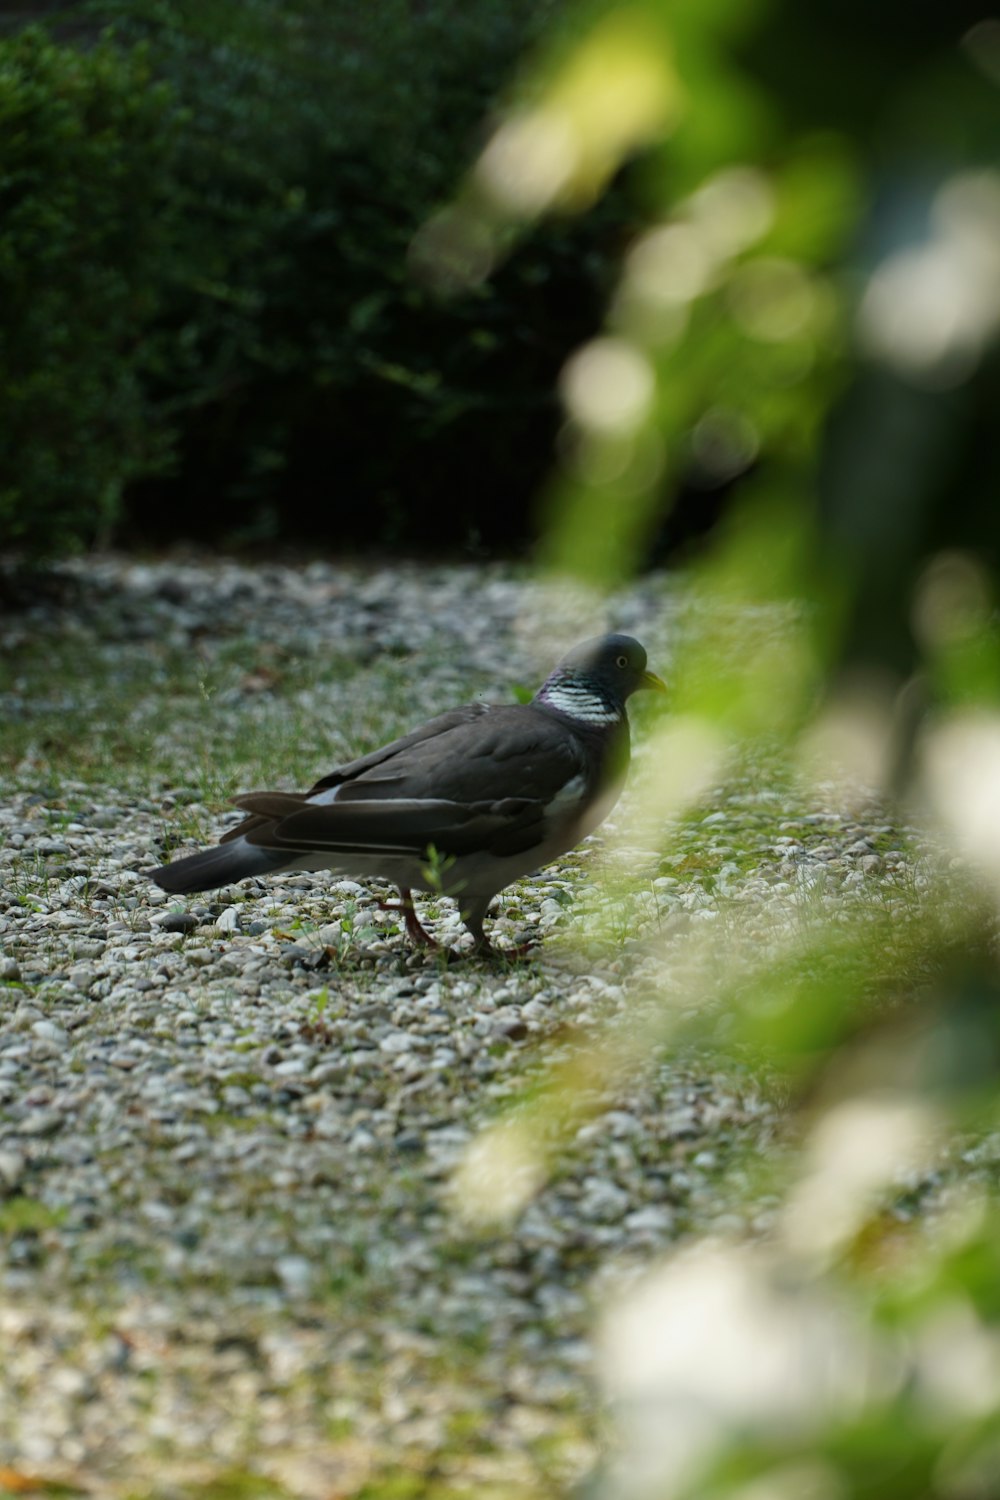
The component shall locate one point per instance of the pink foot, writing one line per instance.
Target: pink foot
(416, 932)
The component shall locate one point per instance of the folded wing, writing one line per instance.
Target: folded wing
(474, 780)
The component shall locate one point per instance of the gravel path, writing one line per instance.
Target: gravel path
(228, 1127)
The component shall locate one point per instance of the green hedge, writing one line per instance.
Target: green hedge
(85, 150)
(221, 324)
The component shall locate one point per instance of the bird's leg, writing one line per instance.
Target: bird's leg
(472, 912)
(521, 950)
(415, 931)
(472, 916)
(486, 949)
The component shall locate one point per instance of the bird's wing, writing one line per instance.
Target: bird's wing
(442, 724)
(400, 826)
(351, 769)
(488, 783)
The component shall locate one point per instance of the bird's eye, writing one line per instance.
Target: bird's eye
(621, 661)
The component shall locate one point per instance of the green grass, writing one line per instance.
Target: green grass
(232, 1484)
(21, 1215)
(152, 715)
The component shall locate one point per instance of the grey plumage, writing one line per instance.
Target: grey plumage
(496, 792)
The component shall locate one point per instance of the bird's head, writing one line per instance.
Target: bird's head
(614, 662)
(595, 679)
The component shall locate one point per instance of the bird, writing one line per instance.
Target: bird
(463, 805)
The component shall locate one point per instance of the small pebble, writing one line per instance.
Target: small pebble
(40, 1122)
(177, 921)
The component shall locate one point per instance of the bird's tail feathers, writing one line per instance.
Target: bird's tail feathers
(222, 865)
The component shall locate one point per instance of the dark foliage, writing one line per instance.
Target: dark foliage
(85, 153)
(226, 319)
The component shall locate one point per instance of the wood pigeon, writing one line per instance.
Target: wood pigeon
(467, 803)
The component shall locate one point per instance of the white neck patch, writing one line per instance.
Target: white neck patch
(580, 702)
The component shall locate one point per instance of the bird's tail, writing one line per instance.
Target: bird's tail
(220, 866)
